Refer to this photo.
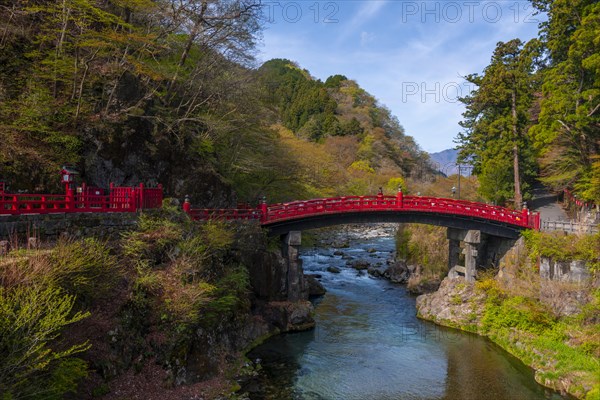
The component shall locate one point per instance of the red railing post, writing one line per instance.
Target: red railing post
(84, 195)
(111, 195)
(399, 198)
(186, 204)
(139, 200)
(263, 209)
(525, 213)
(69, 197)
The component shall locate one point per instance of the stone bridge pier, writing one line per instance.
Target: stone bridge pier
(469, 250)
(296, 285)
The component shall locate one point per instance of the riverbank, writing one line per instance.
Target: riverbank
(553, 327)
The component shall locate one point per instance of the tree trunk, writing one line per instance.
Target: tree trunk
(518, 195)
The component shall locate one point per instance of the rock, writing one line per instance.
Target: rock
(360, 265)
(341, 245)
(376, 272)
(334, 270)
(288, 316)
(315, 288)
(455, 303)
(398, 272)
(338, 253)
(371, 250)
(423, 286)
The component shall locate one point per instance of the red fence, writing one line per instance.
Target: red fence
(570, 197)
(300, 209)
(85, 199)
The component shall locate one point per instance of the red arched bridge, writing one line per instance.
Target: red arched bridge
(281, 218)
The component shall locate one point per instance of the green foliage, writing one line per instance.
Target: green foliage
(31, 319)
(515, 312)
(567, 136)
(84, 268)
(495, 139)
(334, 81)
(394, 184)
(424, 245)
(561, 247)
(230, 298)
(154, 242)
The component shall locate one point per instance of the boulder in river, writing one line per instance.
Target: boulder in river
(376, 271)
(338, 253)
(315, 288)
(360, 265)
(333, 269)
(397, 272)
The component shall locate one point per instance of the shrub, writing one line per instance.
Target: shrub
(30, 319)
(84, 268)
(155, 241)
(561, 247)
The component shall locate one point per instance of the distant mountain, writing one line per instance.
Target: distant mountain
(445, 161)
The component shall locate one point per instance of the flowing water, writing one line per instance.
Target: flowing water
(368, 344)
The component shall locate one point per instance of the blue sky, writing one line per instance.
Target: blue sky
(410, 55)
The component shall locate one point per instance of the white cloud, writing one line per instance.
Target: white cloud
(366, 37)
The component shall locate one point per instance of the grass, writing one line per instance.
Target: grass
(563, 350)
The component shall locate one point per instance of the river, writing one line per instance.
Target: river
(368, 344)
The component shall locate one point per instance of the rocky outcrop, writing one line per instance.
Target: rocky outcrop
(289, 316)
(455, 303)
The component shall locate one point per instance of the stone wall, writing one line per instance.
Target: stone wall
(51, 226)
(564, 271)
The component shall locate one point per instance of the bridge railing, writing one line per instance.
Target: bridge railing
(118, 199)
(285, 211)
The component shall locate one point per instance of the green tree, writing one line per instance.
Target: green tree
(497, 119)
(567, 135)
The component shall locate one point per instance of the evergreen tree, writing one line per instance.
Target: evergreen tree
(568, 133)
(496, 120)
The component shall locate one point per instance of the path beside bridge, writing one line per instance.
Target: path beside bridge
(547, 204)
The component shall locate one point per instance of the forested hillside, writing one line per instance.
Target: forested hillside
(536, 110)
(165, 91)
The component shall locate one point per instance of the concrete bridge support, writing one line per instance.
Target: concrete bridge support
(297, 289)
(479, 250)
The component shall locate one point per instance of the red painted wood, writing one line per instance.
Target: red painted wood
(339, 205)
(119, 199)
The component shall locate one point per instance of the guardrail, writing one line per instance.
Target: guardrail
(569, 227)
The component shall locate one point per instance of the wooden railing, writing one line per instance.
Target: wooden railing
(269, 214)
(118, 199)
